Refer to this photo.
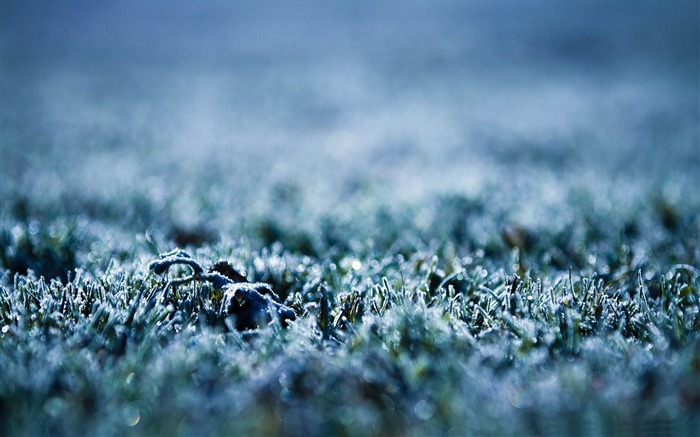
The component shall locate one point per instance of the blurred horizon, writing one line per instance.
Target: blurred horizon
(228, 100)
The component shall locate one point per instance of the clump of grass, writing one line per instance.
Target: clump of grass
(49, 250)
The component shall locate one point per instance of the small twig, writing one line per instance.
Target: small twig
(248, 301)
(171, 258)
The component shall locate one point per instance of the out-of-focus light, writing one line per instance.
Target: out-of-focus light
(132, 416)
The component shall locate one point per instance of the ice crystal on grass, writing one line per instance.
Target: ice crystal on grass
(250, 304)
(399, 345)
(455, 218)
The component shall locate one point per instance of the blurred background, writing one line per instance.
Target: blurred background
(212, 112)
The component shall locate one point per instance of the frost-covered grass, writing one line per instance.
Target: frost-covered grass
(486, 219)
(406, 325)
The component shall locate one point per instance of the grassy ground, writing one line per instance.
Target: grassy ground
(484, 225)
(434, 331)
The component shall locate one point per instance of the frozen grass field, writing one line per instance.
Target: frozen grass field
(484, 217)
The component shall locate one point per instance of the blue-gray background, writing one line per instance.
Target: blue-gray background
(205, 109)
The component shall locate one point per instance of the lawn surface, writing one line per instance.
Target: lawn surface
(485, 219)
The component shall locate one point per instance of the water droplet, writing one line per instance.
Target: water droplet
(285, 395)
(33, 227)
(423, 410)
(131, 416)
(54, 407)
